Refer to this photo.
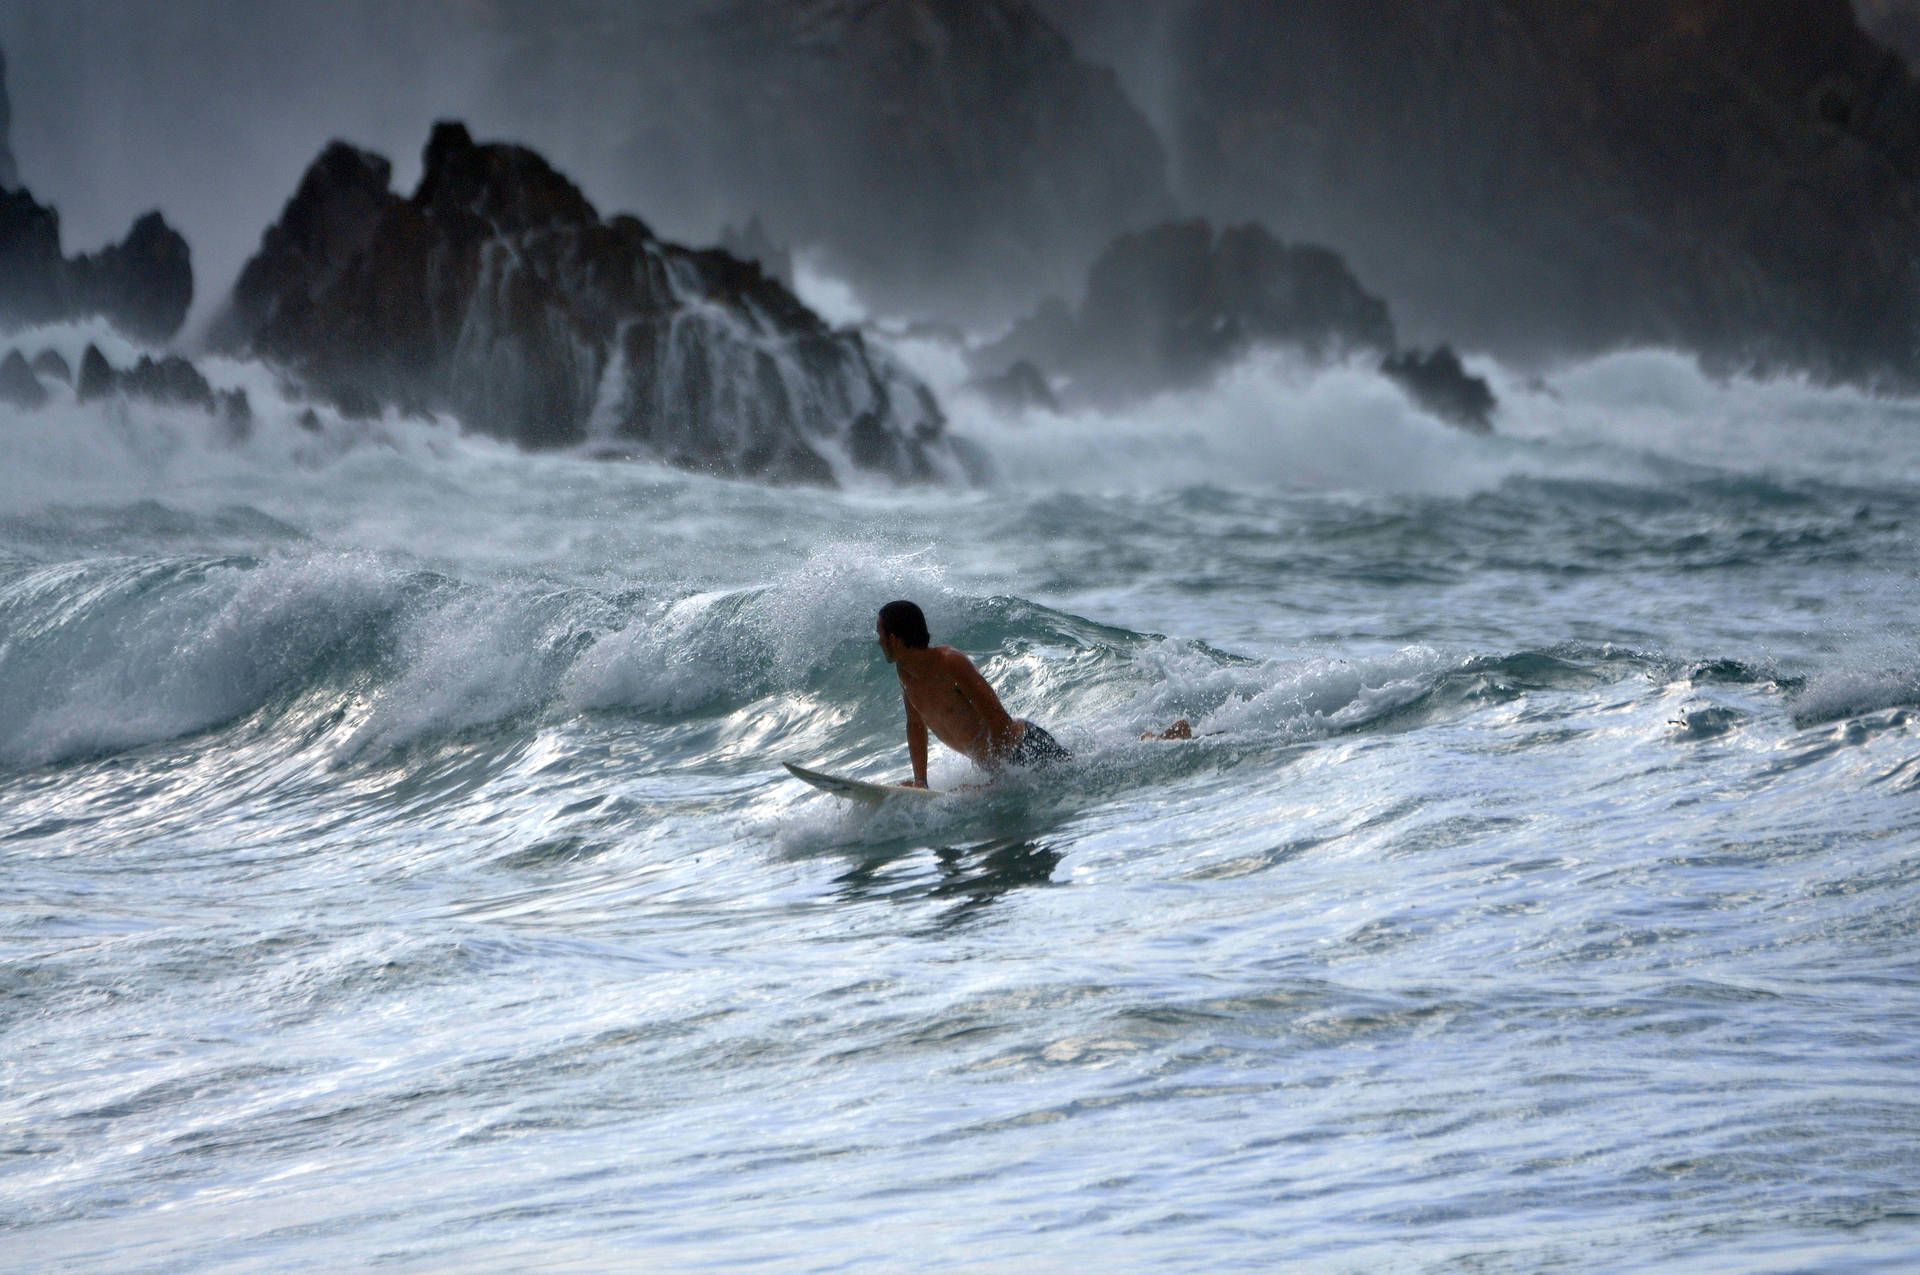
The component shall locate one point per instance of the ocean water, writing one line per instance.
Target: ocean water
(399, 870)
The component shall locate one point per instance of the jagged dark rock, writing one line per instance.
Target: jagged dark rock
(1169, 306)
(143, 285)
(50, 365)
(97, 379)
(18, 385)
(1438, 382)
(1022, 387)
(33, 274)
(171, 380)
(497, 292)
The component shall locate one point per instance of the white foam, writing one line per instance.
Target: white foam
(476, 660)
(118, 448)
(826, 294)
(701, 647)
(122, 655)
(1659, 405)
(1306, 698)
(1273, 420)
(1270, 420)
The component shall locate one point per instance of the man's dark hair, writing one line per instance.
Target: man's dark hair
(904, 621)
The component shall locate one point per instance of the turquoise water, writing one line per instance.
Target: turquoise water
(400, 871)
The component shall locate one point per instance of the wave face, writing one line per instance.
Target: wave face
(396, 841)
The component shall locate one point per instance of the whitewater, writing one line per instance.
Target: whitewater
(399, 870)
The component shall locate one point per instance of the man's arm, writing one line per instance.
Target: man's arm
(916, 741)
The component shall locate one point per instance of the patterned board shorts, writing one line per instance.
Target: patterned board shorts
(1036, 748)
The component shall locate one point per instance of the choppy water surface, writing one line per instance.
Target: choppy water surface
(399, 870)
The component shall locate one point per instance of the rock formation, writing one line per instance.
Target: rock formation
(1166, 307)
(1550, 176)
(1438, 382)
(171, 381)
(19, 387)
(498, 293)
(142, 285)
(1171, 306)
(950, 156)
(1021, 388)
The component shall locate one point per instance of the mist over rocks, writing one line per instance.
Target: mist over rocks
(949, 158)
(1542, 177)
(1437, 381)
(498, 293)
(170, 380)
(51, 365)
(9, 170)
(1022, 387)
(751, 242)
(1167, 306)
(1171, 306)
(1895, 23)
(19, 386)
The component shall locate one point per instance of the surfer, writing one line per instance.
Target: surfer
(945, 694)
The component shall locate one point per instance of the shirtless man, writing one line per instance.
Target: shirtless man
(944, 693)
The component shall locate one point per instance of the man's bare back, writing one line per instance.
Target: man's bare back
(944, 693)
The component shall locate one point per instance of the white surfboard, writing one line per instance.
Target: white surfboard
(854, 789)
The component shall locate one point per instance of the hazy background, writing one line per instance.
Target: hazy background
(690, 113)
(960, 159)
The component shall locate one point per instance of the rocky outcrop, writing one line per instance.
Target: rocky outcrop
(1171, 306)
(169, 381)
(96, 378)
(949, 156)
(1539, 177)
(498, 293)
(19, 387)
(143, 285)
(1438, 382)
(1021, 388)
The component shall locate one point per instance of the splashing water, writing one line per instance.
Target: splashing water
(401, 870)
